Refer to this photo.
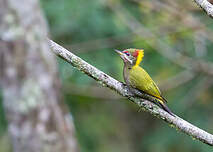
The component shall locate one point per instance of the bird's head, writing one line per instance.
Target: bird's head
(132, 57)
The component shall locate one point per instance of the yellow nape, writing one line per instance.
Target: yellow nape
(139, 58)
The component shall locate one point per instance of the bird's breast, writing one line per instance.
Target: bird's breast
(126, 75)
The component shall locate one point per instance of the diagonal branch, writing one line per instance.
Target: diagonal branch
(206, 6)
(145, 103)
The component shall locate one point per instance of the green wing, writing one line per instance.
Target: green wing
(141, 80)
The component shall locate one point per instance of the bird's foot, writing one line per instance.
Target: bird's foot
(139, 109)
(124, 84)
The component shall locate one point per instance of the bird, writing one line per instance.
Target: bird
(136, 77)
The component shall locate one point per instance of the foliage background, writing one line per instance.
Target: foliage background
(105, 121)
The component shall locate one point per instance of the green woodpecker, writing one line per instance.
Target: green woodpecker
(136, 77)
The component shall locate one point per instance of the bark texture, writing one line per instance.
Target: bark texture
(206, 6)
(132, 95)
(37, 119)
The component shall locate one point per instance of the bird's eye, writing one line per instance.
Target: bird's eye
(126, 53)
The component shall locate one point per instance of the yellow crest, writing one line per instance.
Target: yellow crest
(140, 54)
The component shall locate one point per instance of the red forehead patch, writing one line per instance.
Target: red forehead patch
(135, 54)
(125, 52)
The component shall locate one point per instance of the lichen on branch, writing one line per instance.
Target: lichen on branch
(145, 102)
(206, 6)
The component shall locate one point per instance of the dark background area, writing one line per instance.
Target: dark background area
(169, 32)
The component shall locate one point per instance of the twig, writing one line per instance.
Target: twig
(187, 19)
(90, 91)
(195, 92)
(179, 79)
(206, 6)
(123, 90)
(165, 50)
(114, 41)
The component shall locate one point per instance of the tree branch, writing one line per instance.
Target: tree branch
(145, 103)
(37, 119)
(206, 6)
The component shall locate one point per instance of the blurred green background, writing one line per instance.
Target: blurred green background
(169, 32)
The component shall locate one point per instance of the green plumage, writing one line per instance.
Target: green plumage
(136, 77)
(141, 80)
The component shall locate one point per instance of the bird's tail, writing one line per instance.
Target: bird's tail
(165, 107)
(162, 102)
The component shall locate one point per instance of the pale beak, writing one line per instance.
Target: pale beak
(119, 52)
(123, 56)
